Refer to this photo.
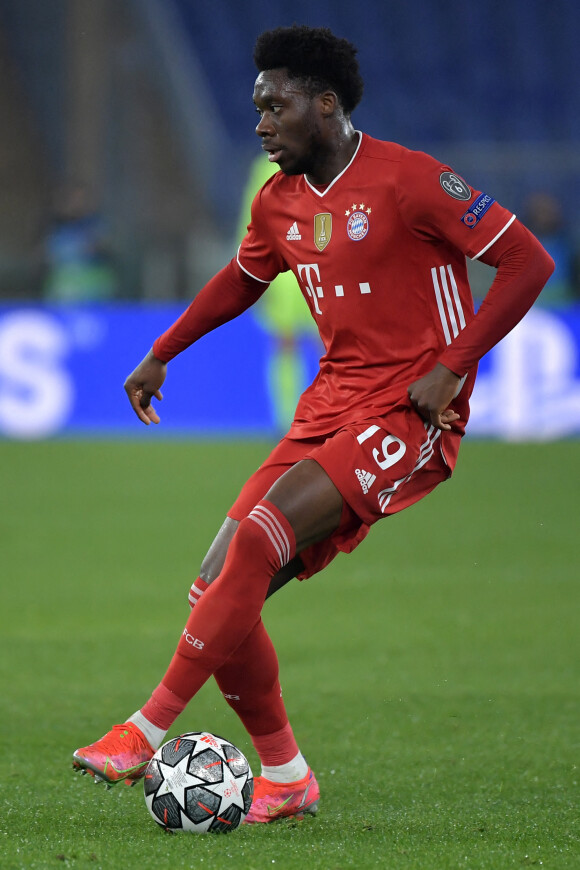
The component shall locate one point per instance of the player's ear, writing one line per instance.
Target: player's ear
(328, 102)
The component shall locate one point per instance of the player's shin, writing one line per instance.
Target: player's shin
(229, 609)
(249, 682)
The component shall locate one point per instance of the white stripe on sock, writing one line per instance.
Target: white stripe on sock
(270, 535)
(276, 527)
(275, 531)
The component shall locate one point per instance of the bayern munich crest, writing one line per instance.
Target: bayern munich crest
(357, 226)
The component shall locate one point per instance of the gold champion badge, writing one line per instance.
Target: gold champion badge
(322, 230)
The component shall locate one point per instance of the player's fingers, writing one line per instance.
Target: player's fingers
(440, 424)
(147, 412)
(152, 415)
(144, 412)
(444, 419)
(139, 402)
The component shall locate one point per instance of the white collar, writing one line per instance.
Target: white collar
(334, 180)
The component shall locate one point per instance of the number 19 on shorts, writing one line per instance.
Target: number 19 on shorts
(389, 456)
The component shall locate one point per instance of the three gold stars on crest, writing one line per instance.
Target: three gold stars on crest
(354, 208)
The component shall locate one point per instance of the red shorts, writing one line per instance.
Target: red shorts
(380, 466)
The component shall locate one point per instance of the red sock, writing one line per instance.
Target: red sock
(277, 748)
(230, 608)
(196, 591)
(249, 682)
(163, 707)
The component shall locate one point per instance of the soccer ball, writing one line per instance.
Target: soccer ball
(198, 782)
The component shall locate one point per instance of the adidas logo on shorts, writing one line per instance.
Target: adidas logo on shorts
(366, 479)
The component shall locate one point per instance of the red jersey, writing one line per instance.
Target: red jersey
(379, 254)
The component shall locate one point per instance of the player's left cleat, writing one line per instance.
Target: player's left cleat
(282, 800)
(121, 755)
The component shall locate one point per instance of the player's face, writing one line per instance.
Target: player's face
(289, 123)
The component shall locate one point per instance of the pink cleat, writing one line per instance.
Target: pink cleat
(280, 800)
(122, 754)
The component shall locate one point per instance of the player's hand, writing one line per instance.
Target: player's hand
(142, 384)
(432, 394)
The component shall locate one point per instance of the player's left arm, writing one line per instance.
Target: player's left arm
(432, 394)
(523, 267)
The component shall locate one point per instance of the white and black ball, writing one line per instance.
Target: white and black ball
(199, 782)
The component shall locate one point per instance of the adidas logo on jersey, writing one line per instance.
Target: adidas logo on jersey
(293, 234)
(366, 479)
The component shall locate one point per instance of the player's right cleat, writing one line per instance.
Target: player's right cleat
(122, 754)
(275, 800)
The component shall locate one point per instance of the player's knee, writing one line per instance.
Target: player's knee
(213, 561)
(215, 557)
(266, 534)
(210, 568)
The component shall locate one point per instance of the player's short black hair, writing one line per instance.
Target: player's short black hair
(321, 60)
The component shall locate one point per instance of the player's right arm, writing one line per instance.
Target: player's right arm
(227, 295)
(224, 297)
(143, 383)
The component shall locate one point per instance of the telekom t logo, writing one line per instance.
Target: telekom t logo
(309, 274)
(315, 292)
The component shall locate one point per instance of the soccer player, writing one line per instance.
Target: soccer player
(377, 237)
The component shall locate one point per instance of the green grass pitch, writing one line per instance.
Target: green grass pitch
(431, 677)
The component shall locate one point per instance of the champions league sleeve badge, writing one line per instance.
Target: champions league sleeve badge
(455, 186)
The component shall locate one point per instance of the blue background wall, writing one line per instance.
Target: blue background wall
(62, 374)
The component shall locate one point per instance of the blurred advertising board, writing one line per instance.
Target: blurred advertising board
(62, 371)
